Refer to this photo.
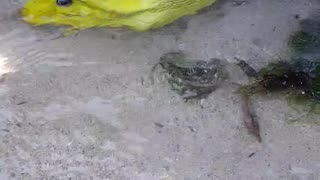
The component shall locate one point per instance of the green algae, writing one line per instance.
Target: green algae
(301, 41)
(299, 77)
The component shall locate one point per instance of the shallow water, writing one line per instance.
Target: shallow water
(83, 107)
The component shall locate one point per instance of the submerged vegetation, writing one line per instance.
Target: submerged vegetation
(299, 77)
(301, 41)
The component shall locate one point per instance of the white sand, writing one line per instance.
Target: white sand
(83, 108)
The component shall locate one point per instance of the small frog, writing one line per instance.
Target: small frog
(192, 78)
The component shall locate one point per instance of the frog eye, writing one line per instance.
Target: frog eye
(64, 2)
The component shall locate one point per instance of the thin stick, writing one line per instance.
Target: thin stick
(249, 120)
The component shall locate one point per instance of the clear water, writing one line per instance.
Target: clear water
(83, 107)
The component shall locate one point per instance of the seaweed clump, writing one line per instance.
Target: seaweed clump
(192, 78)
(300, 76)
(301, 41)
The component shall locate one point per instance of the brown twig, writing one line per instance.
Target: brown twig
(249, 120)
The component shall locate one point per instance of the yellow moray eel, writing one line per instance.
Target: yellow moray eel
(139, 15)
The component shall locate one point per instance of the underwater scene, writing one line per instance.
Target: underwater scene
(160, 89)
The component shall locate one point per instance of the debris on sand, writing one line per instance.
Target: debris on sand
(250, 121)
(299, 77)
(298, 80)
(283, 75)
(246, 68)
(192, 78)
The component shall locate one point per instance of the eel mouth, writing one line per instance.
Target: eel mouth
(30, 17)
(26, 15)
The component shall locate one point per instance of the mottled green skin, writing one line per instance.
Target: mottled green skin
(192, 78)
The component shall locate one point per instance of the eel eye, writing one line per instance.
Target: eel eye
(64, 2)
